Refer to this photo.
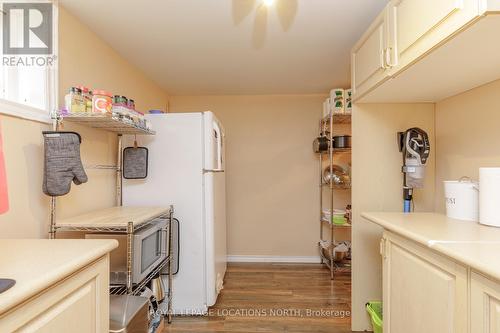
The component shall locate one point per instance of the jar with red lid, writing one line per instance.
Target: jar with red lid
(102, 102)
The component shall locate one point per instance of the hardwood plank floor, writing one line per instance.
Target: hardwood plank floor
(275, 298)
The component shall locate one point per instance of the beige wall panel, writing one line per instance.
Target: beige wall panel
(467, 135)
(377, 186)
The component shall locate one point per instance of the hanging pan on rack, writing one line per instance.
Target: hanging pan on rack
(320, 144)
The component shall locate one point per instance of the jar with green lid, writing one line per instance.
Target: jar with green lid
(120, 100)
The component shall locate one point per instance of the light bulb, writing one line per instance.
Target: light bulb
(268, 3)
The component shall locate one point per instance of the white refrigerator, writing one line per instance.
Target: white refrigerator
(186, 169)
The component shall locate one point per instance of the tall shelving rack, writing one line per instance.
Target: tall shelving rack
(326, 128)
(111, 124)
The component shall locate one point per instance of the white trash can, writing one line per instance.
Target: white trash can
(462, 199)
(489, 199)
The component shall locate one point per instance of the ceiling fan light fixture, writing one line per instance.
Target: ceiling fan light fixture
(268, 3)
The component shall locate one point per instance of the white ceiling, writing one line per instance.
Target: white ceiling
(215, 47)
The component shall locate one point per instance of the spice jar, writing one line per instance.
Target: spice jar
(74, 100)
(102, 102)
(131, 104)
(120, 100)
(87, 98)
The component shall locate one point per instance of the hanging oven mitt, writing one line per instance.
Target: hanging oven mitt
(62, 163)
(4, 196)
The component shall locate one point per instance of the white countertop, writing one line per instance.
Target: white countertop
(36, 264)
(470, 243)
(114, 217)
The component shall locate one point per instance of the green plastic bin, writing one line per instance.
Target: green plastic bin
(374, 309)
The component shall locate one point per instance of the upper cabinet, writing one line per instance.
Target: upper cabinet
(430, 50)
(369, 63)
(419, 25)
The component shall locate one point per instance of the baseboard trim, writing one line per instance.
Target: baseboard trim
(277, 259)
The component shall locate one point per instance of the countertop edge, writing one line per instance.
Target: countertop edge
(60, 274)
(400, 231)
(469, 262)
(437, 246)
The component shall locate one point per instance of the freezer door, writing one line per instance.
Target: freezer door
(215, 222)
(215, 205)
(214, 143)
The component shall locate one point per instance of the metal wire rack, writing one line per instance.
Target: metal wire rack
(326, 124)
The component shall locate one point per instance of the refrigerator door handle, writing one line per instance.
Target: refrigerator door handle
(212, 170)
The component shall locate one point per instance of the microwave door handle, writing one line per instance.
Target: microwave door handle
(158, 242)
(163, 245)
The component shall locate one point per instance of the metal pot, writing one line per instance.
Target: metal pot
(320, 144)
(342, 141)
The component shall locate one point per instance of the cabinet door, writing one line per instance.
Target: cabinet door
(79, 304)
(423, 291)
(485, 304)
(417, 26)
(368, 65)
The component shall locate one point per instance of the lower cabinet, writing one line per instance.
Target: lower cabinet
(77, 304)
(423, 291)
(485, 304)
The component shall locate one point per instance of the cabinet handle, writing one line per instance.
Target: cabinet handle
(388, 58)
(382, 248)
(383, 59)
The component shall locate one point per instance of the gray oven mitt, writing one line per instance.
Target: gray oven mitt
(62, 163)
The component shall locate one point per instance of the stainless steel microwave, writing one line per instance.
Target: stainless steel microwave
(149, 250)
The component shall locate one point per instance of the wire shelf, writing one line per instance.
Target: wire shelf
(116, 229)
(338, 119)
(137, 289)
(105, 122)
(333, 225)
(337, 187)
(337, 150)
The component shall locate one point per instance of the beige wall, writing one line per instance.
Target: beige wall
(272, 172)
(83, 59)
(468, 135)
(377, 186)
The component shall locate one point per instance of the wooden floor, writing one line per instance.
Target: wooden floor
(275, 298)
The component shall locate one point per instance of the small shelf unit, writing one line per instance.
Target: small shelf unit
(121, 220)
(327, 126)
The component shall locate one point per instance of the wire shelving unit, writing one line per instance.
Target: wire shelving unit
(327, 255)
